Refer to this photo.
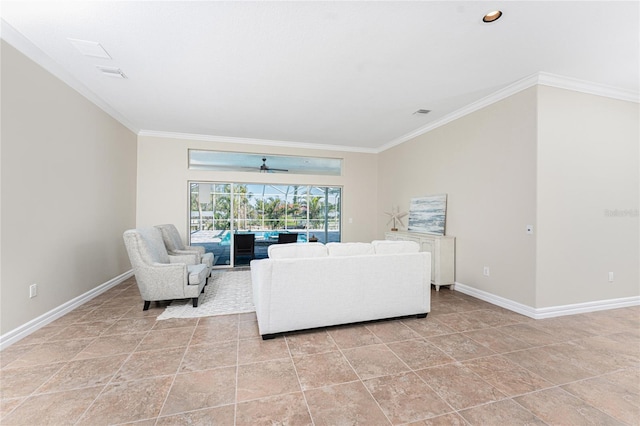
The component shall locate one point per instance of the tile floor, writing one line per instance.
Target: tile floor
(468, 362)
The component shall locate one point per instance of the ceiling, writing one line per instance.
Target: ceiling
(344, 75)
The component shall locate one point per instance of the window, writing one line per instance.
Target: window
(218, 210)
(263, 163)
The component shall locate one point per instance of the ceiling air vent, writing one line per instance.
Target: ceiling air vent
(111, 72)
(89, 48)
(422, 111)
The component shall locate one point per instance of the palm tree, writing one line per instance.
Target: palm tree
(241, 204)
(222, 208)
(273, 211)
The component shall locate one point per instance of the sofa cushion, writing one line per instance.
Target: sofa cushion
(394, 247)
(349, 249)
(295, 250)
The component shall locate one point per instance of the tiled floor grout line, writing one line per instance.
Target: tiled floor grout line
(34, 392)
(562, 348)
(116, 373)
(106, 384)
(453, 410)
(175, 375)
(302, 390)
(500, 400)
(235, 395)
(359, 377)
(413, 371)
(507, 397)
(554, 386)
(63, 365)
(559, 387)
(587, 402)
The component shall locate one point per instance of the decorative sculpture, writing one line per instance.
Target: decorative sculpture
(395, 217)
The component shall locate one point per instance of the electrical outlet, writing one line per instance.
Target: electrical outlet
(610, 277)
(33, 290)
(485, 271)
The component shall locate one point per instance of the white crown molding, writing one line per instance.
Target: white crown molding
(31, 51)
(24, 330)
(24, 45)
(541, 78)
(249, 141)
(503, 93)
(552, 311)
(561, 82)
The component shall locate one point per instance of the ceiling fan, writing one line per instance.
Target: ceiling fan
(266, 169)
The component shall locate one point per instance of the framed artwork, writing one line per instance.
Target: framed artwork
(428, 214)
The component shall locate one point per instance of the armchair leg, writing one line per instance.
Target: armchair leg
(195, 302)
(146, 305)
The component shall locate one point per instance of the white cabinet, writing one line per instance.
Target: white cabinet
(442, 249)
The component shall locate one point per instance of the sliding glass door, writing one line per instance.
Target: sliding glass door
(220, 210)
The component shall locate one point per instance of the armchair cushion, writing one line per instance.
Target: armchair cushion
(175, 246)
(171, 237)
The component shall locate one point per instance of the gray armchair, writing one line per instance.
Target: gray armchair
(161, 276)
(175, 246)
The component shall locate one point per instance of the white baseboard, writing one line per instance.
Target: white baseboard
(550, 312)
(23, 331)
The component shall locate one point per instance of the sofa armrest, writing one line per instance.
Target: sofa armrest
(261, 286)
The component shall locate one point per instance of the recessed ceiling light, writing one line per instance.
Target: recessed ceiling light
(492, 16)
(422, 111)
(89, 48)
(111, 72)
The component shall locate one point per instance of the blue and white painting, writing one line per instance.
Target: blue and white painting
(428, 214)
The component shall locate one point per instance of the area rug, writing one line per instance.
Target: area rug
(228, 292)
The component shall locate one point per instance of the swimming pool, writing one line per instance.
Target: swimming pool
(267, 236)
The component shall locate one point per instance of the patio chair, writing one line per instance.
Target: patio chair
(243, 245)
(161, 276)
(175, 246)
(290, 237)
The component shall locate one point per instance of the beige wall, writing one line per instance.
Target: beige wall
(73, 179)
(588, 148)
(486, 163)
(163, 178)
(68, 192)
(556, 159)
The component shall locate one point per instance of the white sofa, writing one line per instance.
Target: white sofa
(302, 286)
